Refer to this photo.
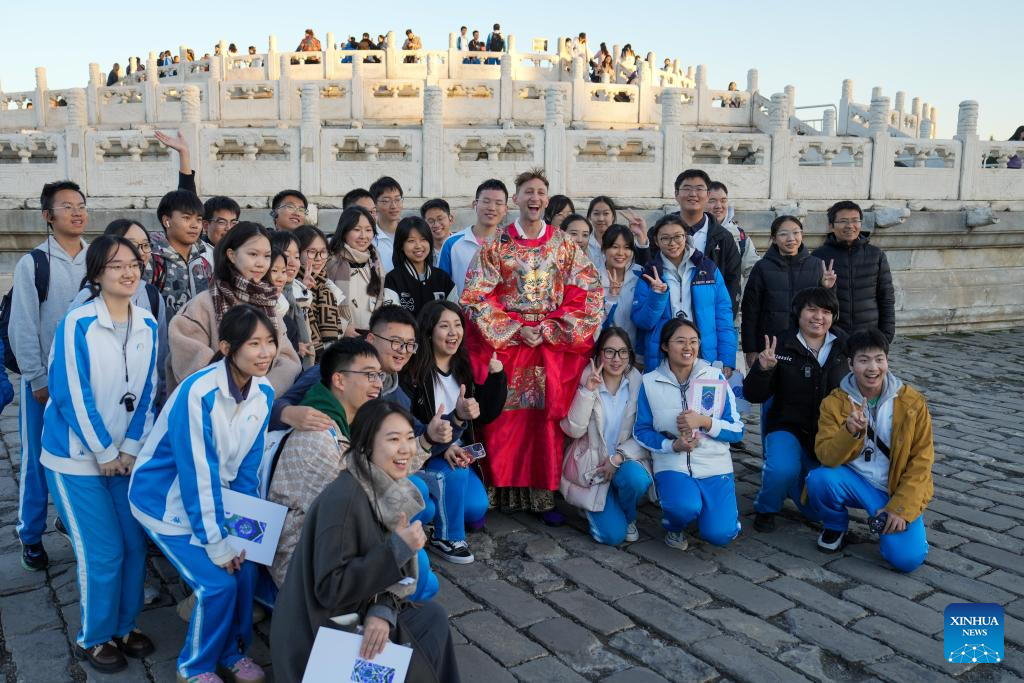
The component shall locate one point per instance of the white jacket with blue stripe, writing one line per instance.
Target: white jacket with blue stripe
(203, 440)
(85, 422)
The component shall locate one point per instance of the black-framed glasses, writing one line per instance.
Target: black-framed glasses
(225, 223)
(672, 239)
(610, 354)
(401, 345)
(316, 254)
(371, 376)
(294, 209)
(143, 247)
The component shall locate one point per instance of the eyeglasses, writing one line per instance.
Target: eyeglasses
(389, 202)
(143, 247)
(612, 353)
(672, 239)
(120, 268)
(73, 208)
(848, 222)
(293, 209)
(436, 222)
(225, 223)
(401, 345)
(371, 376)
(788, 235)
(689, 189)
(316, 254)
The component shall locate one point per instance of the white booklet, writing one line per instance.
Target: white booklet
(254, 525)
(335, 657)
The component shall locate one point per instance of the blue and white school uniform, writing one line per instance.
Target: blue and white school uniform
(209, 435)
(102, 380)
(457, 255)
(699, 484)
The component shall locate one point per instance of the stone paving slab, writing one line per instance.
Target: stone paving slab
(548, 604)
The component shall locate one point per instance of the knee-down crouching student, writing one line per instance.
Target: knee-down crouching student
(210, 435)
(103, 382)
(875, 444)
(686, 416)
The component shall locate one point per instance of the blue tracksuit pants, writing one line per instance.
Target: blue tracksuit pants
(628, 485)
(32, 491)
(223, 611)
(458, 495)
(830, 490)
(710, 501)
(786, 464)
(110, 547)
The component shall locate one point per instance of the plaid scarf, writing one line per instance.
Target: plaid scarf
(242, 290)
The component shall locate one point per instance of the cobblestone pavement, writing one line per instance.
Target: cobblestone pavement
(548, 604)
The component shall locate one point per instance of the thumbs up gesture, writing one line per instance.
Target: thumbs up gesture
(411, 534)
(466, 408)
(494, 366)
(828, 275)
(856, 422)
(439, 429)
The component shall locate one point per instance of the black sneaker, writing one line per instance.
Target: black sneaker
(456, 552)
(34, 557)
(58, 526)
(831, 541)
(764, 522)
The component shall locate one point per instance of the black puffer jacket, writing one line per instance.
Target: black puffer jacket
(863, 285)
(798, 384)
(768, 297)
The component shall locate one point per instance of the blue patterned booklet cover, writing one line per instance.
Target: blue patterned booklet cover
(335, 659)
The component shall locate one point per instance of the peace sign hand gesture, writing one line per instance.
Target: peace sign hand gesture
(828, 274)
(596, 377)
(614, 283)
(638, 226)
(766, 359)
(657, 286)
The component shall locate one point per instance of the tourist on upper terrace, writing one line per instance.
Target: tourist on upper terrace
(462, 41)
(289, 209)
(787, 268)
(356, 554)
(606, 471)
(686, 416)
(242, 261)
(438, 215)
(115, 75)
(495, 43)
(475, 45)
(355, 267)
(720, 207)
(415, 281)
(1018, 135)
(579, 229)
(863, 282)
(681, 282)
(326, 323)
(795, 370)
(580, 48)
(388, 196)
(460, 250)
(211, 435)
(220, 214)
(559, 206)
(536, 300)
(309, 43)
(709, 237)
(46, 281)
(874, 442)
(96, 422)
(412, 42)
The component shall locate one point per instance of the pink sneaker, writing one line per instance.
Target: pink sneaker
(201, 678)
(245, 670)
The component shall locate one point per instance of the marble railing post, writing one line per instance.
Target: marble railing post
(915, 111)
(215, 91)
(357, 92)
(42, 103)
(672, 138)
(330, 57)
(828, 122)
(454, 64)
(392, 60)
(579, 90)
(881, 160)
(284, 86)
(92, 97)
(752, 77)
(790, 91)
(554, 137)
(898, 106)
(703, 96)
(645, 93)
(616, 54)
(778, 129)
(967, 134)
(74, 136)
(845, 99)
(433, 141)
(273, 64)
(924, 131)
(222, 58)
(506, 91)
(309, 139)
(191, 116)
(151, 87)
(934, 116)
(513, 53)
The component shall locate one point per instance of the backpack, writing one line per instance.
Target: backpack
(42, 278)
(154, 300)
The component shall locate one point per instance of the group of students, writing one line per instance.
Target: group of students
(332, 375)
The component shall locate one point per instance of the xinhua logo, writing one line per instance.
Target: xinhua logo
(973, 633)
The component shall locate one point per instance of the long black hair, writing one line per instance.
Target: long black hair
(1017, 134)
(368, 421)
(403, 232)
(607, 201)
(223, 269)
(347, 222)
(556, 204)
(422, 370)
(120, 227)
(98, 255)
(238, 325)
(613, 233)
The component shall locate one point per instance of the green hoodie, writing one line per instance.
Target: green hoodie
(321, 398)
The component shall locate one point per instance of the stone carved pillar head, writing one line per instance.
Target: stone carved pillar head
(901, 102)
(190, 112)
(554, 105)
(778, 112)
(879, 115)
(96, 75)
(967, 121)
(828, 122)
(847, 93)
(752, 80)
(78, 115)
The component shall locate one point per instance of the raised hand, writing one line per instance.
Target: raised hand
(177, 143)
(494, 366)
(856, 422)
(466, 408)
(657, 286)
(766, 359)
(411, 534)
(638, 226)
(614, 283)
(439, 429)
(828, 274)
(596, 377)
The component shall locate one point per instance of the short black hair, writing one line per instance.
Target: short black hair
(692, 173)
(435, 204)
(184, 201)
(391, 314)
(613, 233)
(406, 227)
(844, 205)
(718, 185)
(491, 184)
(382, 185)
(279, 240)
(821, 297)
(50, 190)
(667, 219)
(867, 339)
(238, 325)
(353, 196)
(340, 354)
(220, 203)
(606, 334)
(670, 328)
(572, 218)
(119, 226)
(607, 201)
(307, 234)
(556, 204)
(280, 197)
(223, 269)
(779, 220)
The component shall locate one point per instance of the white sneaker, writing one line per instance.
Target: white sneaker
(677, 540)
(632, 535)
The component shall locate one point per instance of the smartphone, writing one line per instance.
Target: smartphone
(594, 477)
(877, 523)
(475, 451)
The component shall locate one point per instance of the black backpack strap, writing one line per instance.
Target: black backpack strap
(277, 457)
(154, 300)
(42, 273)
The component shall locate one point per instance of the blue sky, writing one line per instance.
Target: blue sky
(943, 52)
